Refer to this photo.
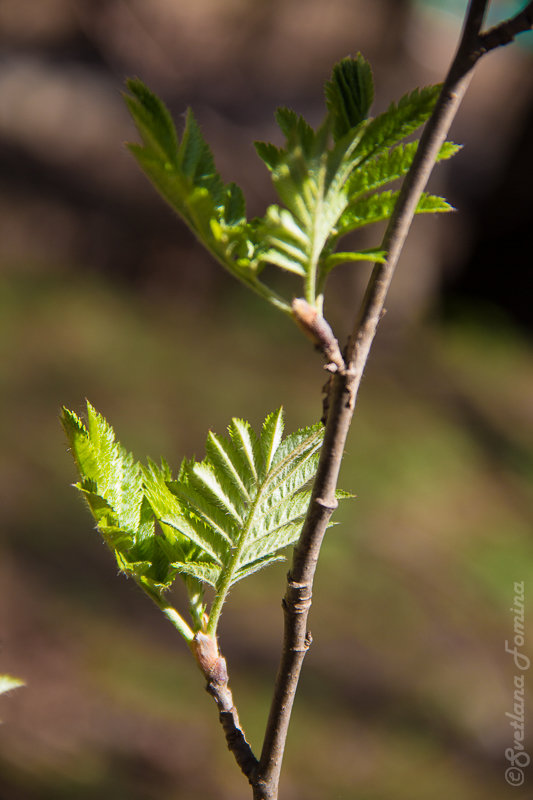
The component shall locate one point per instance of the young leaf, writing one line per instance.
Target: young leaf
(349, 94)
(398, 121)
(378, 207)
(389, 166)
(326, 179)
(220, 520)
(110, 478)
(153, 121)
(328, 189)
(112, 484)
(184, 173)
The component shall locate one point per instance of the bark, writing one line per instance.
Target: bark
(345, 383)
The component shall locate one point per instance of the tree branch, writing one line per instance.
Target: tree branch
(213, 666)
(346, 381)
(505, 32)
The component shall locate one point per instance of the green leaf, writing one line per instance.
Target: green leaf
(186, 535)
(196, 163)
(271, 436)
(378, 207)
(255, 566)
(432, 204)
(221, 519)
(389, 166)
(7, 683)
(269, 153)
(375, 256)
(201, 570)
(112, 484)
(398, 121)
(326, 179)
(184, 173)
(329, 189)
(110, 479)
(349, 94)
(243, 503)
(153, 121)
(247, 445)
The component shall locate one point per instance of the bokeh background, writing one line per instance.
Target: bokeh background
(104, 294)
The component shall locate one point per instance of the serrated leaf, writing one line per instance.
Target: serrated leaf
(201, 570)
(111, 471)
(366, 211)
(255, 566)
(269, 153)
(246, 443)
(296, 129)
(318, 181)
(234, 205)
(196, 163)
(81, 446)
(112, 485)
(399, 121)
(184, 173)
(349, 94)
(250, 492)
(376, 256)
(378, 207)
(328, 190)
(389, 166)
(225, 457)
(271, 435)
(153, 121)
(432, 204)
(220, 520)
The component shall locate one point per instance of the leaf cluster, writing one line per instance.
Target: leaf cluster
(330, 180)
(216, 522)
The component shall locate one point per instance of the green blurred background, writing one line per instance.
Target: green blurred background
(104, 294)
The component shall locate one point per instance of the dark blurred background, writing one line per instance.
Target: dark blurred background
(103, 293)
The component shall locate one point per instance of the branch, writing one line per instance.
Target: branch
(346, 382)
(213, 666)
(505, 32)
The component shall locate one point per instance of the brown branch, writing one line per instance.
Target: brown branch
(505, 32)
(346, 382)
(213, 666)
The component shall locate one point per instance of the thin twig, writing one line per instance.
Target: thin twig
(298, 597)
(505, 32)
(213, 666)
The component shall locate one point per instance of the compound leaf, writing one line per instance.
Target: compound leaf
(185, 175)
(220, 519)
(326, 178)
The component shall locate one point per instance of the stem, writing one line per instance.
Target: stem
(229, 572)
(298, 597)
(317, 242)
(213, 666)
(169, 611)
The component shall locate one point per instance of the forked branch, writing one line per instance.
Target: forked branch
(297, 601)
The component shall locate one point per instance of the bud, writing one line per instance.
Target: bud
(212, 664)
(318, 330)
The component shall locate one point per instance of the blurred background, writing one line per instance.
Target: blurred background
(104, 294)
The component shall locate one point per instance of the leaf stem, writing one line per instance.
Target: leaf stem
(252, 283)
(229, 572)
(169, 611)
